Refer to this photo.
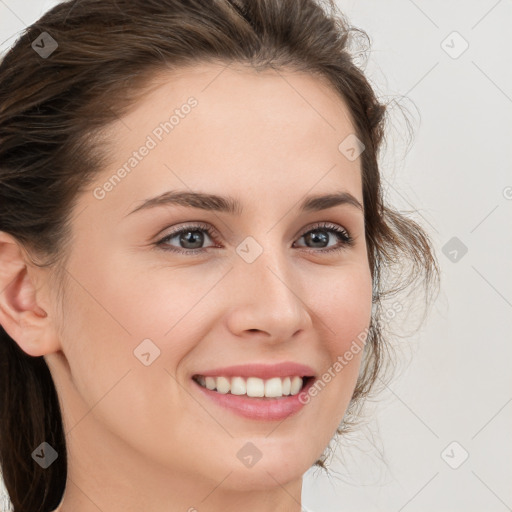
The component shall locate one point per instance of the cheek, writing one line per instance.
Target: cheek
(343, 303)
(117, 388)
(114, 313)
(343, 306)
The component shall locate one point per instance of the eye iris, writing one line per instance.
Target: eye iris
(197, 235)
(317, 236)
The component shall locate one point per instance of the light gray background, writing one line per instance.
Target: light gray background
(454, 383)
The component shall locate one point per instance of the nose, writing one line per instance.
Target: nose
(268, 301)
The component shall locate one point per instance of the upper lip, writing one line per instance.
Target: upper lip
(263, 371)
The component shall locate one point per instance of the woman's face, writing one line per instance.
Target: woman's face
(141, 318)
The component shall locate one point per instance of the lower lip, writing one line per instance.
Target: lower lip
(254, 408)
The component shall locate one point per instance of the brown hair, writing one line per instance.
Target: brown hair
(52, 108)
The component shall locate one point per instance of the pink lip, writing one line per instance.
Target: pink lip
(262, 409)
(263, 371)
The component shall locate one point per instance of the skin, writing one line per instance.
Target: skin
(142, 437)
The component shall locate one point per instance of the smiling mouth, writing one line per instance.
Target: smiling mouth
(275, 387)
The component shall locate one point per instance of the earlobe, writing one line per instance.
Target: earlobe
(22, 318)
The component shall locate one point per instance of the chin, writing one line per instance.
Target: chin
(275, 467)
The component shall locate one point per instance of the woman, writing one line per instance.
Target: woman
(194, 253)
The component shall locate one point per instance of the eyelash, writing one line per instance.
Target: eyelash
(343, 235)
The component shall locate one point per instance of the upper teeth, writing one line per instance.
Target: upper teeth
(253, 386)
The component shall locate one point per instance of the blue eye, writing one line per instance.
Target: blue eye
(318, 234)
(187, 235)
(193, 236)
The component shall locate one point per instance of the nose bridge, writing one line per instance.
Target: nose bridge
(269, 289)
(267, 261)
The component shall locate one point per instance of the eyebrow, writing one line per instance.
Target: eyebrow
(227, 204)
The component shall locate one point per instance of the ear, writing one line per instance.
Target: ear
(22, 315)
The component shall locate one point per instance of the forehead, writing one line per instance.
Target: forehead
(248, 131)
(235, 93)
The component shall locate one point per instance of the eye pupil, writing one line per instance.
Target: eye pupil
(318, 236)
(198, 235)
